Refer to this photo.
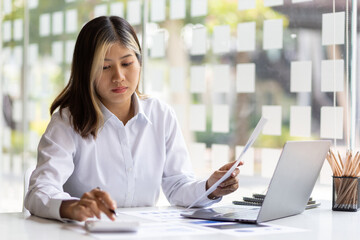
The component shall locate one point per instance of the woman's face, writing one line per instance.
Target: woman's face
(119, 78)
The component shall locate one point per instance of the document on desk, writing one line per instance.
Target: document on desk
(249, 143)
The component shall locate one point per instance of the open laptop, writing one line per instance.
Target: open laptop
(289, 190)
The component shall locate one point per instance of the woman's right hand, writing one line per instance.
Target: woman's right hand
(90, 205)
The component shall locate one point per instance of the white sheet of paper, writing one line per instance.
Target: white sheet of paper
(273, 34)
(100, 10)
(273, 114)
(134, 12)
(331, 120)
(177, 9)
(71, 21)
(300, 79)
(44, 25)
(156, 79)
(220, 118)
(6, 31)
(158, 44)
(219, 155)
(69, 50)
(57, 23)
(270, 3)
(177, 79)
(221, 40)
(198, 41)
(300, 121)
(197, 154)
(7, 6)
(332, 75)
(246, 33)
(57, 51)
(198, 8)
(269, 159)
(246, 4)
(249, 143)
(197, 118)
(18, 29)
(180, 114)
(197, 79)
(157, 10)
(245, 78)
(33, 56)
(328, 36)
(248, 168)
(117, 9)
(221, 80)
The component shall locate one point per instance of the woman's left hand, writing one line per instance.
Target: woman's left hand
(227, 186)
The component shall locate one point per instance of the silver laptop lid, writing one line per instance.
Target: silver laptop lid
(293, 179)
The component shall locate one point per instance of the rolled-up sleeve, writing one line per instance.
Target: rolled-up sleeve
(54, 166)
(178, 182)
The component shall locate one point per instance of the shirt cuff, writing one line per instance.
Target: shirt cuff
(54, 208)
(205, 202)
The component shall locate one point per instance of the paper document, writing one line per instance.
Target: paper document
(249, 143)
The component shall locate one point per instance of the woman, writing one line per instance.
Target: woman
(108, 146)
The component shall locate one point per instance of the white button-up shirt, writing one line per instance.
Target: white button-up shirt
(130, 162)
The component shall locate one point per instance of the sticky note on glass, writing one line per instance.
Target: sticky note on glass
(7, 6)
(18, 54)
(198, 154)
(221, 80)
(219, 155)
(177, 79)
(245, 78)
(33, 55)
(134, 12)
(198, 8)
(269, 159)
(100, 10)
(18, 29)
(332, 75)
(156, 79)
(117, 9)
(273, 34)
(331, 122)
(273, 115)
(246, 4)
(69, 50)
(248, 159)
(158, 45)
(246, 36)
(333, 28)
(197, 79)
(198, 41)
(300, 79)
(57, 23)
(270, 3)
(300, 121)
(6, 31)
(220, 118)
(57, 51)
(221, 39)
(71, 21)
(177, 9)
(157, 10)
(44, 25)
(197, 118)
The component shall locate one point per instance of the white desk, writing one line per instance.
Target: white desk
(320, 223)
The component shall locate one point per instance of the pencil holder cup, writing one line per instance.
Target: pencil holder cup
(346, 194)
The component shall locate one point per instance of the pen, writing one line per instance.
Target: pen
(112, 211)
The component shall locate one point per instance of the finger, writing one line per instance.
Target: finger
(226, 190)
(105, 198)
(82, 213)
(229, 165)
(228, 182)
(92, 205)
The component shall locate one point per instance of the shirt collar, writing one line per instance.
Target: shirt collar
(138, 111)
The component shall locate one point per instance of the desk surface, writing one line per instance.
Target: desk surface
(319, 223)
